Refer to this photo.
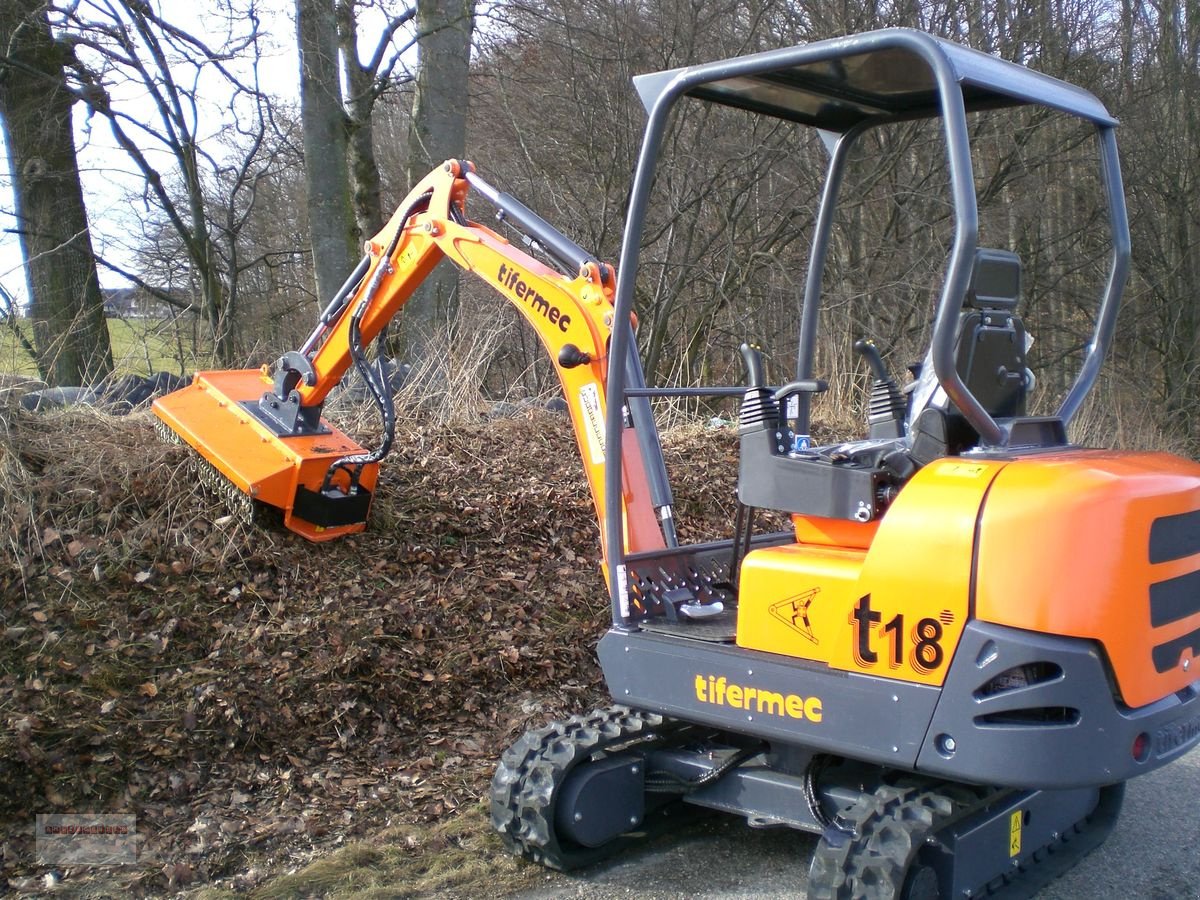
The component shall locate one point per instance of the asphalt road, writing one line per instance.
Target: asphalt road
(1153, 854)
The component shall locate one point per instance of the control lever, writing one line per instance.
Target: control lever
(886, 412)
(752, 359)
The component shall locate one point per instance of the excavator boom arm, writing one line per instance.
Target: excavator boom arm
(571, 314)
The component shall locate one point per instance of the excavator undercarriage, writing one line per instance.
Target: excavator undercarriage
(575, 792)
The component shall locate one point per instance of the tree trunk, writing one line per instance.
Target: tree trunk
(364, 171)
(67, 309)
(360, 104)
(438, 133)
(331, 223)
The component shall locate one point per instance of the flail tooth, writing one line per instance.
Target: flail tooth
(237, 502)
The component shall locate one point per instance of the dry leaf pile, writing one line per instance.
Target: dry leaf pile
(249, 694)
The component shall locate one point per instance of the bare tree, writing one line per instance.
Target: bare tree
(1162, 150)
(339, 106)
(367, 80)
(330, 219)
(438, 133)
(117, 43)
(66, 306)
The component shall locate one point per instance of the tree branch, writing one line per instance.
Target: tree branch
(156, 292)
(8, 308)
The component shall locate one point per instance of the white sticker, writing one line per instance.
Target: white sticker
(793, 406)
(623, 591)
(593, 419)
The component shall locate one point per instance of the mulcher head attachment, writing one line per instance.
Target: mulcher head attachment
(256, 451)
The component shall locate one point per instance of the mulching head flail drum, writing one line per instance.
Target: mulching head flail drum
(249, 460)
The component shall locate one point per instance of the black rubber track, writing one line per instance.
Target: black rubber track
(1062, 854)
(871, 851)
(868, 854)
(526, 785)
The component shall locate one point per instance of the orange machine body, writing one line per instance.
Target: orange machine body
(1092, 544)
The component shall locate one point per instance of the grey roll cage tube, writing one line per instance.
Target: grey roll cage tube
(955, 69)
(571, 258)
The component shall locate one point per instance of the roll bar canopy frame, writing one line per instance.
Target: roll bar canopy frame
(845, 86)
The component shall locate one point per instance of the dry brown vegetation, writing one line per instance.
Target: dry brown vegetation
(251, 696)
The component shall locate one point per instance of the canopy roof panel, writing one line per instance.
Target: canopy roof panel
(879, 75)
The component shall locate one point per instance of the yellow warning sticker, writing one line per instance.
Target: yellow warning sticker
(593, 420)
(1014, 833)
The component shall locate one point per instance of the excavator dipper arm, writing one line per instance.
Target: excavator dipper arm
(262, 429)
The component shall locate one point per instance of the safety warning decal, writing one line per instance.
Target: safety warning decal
(793, 612)
(593, 419)
(1014, 833)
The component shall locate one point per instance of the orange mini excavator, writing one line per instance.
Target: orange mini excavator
(972, 634)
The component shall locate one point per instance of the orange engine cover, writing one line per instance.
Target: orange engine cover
(1093, 544)
(1103, 545)
(895, 609)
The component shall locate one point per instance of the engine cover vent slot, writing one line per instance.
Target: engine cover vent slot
(1033, 717)
(1019, 678)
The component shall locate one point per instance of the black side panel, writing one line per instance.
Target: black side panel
(1174, 537)
(769, 696)
(768, 478)
(1022, 709)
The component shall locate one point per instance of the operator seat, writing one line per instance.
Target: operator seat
(858, 479)
(990, 357)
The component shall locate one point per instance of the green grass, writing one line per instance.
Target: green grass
(139, 347)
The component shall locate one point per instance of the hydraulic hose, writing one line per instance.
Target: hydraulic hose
(660, 782)
(374, 376)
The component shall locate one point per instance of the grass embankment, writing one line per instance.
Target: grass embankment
(139, 347)
(457, 856)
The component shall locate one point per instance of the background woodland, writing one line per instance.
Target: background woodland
(238, 242)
